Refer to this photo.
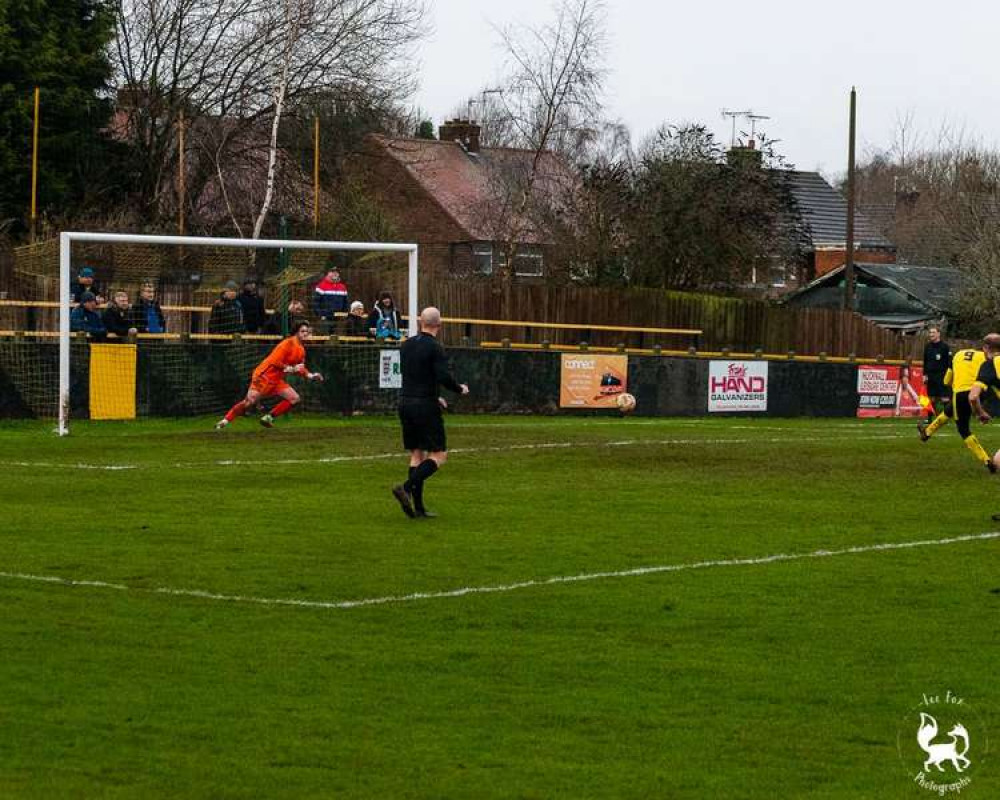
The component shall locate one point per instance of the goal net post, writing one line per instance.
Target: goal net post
(299, 259)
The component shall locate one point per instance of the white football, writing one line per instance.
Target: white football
(626, 403)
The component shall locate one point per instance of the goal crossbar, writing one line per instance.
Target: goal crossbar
(67, 238)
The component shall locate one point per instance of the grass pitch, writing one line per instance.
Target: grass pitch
(174, 673)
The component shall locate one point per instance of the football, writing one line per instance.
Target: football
(626, 403)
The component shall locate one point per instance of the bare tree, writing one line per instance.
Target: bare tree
(551, 100)
(241, 62)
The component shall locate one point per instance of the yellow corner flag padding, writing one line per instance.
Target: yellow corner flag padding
(112, 381)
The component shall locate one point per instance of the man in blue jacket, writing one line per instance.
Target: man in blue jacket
(85, 317)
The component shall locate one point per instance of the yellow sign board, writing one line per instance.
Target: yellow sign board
(112, 381)
(592, 380)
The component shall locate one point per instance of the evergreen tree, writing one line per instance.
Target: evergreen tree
(425, 130)
(61, 47)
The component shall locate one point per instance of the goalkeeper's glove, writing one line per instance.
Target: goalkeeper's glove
(314, 376)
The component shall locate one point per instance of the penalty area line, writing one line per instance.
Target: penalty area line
(533, 583)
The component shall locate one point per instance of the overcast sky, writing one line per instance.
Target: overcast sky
(793, 60)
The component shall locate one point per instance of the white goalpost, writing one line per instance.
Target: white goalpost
(67, 239)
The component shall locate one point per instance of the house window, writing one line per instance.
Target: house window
(778, 276)
(528, 262)
(482, 259)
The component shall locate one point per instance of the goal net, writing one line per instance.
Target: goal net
(117, 326)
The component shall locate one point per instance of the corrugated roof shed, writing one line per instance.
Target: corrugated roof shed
(901, 296)
(939, 287)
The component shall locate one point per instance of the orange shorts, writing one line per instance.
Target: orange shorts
(261, 384)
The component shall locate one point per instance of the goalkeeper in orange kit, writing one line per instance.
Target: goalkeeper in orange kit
(269, 378)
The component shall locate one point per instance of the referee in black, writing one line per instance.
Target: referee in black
(425, 368)
(937, 361)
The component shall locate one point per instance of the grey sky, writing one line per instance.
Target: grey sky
(793, 60)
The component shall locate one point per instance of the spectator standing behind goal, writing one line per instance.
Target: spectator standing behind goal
(937, 361)
(147, 316)
(296, 314)
(330, 298)
(227, 314)
(252, 306)
(425, 368)
(357, 321)
(118, 316)
(85, 283)
(85, 317)
(383, 322)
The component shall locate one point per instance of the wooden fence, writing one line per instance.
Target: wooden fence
(743, 325)
(739, 324)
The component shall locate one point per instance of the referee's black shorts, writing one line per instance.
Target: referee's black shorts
(935, 386)
(423, 425)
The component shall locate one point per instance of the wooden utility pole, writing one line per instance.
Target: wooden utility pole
(34, 173)
(849, 264)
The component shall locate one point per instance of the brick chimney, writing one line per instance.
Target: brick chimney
(464, 131)
(745, 155)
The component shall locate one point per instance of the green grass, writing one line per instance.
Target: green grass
(787, 679)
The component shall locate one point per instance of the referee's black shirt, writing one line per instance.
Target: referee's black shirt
(425, 367)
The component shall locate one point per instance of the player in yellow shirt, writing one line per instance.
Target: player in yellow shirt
(962, 377)
(987, 378)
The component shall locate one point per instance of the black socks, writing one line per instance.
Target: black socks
(415, 484)
(416, 491)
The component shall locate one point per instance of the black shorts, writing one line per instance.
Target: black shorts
(962, 412)
(423, 425)
(935, 386)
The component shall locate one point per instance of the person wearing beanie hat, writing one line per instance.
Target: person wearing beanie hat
(84, 318)
(227, 314)
(84, 283)
(330, 297)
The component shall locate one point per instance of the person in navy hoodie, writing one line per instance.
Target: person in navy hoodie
(86, 319)
(330, 297)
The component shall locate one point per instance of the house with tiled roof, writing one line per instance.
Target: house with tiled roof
(823, 212)
(461, 202)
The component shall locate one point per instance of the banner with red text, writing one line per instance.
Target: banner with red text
(737, 386)
(891, 391)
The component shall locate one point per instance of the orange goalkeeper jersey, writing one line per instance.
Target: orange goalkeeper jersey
(288, 353)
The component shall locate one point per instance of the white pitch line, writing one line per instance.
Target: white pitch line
(233, 462)
(503, 588)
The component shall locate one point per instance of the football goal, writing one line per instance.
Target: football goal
(174, 325)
